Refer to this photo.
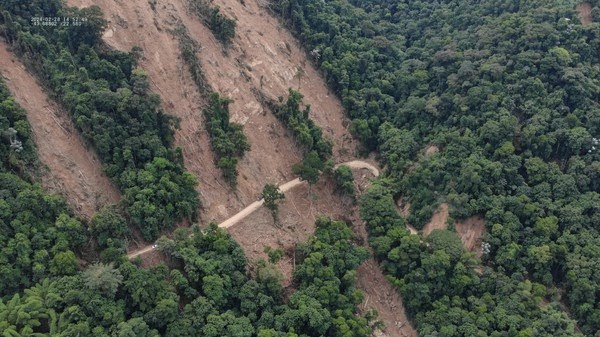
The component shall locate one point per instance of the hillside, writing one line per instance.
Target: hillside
(71, 168)
(299, 168)
(257, 63)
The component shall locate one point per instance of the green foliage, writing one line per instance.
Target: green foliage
(103, 278)
(509, 93)
(275, 255)
(111, 105)
(227, 139)
(344, 180)
(297, 120)
(222, 27)
(16, 143)
(109, 228)
(310, 168)
(188, 48)
(37, 236)
(317, 148)
(211, 295)
(272, 195)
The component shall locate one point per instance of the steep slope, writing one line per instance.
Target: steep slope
(258, 63)
(263, 60)
(73, 170)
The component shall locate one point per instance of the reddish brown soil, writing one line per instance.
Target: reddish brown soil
(257, 61)
(381, 296)
(73, 170)
(438, 220)
(471, 230)
(585, 13)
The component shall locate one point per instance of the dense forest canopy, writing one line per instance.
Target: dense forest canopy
(510, 93)
(110, 102)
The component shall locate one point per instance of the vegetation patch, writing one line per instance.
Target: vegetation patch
(222, 27)
(110, 102)
(317, 148)
(227, 139)
(509, 93)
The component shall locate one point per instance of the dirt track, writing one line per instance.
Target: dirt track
(73, 170)
(356, 164)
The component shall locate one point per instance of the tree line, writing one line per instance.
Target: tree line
(47, 288)
(227, 138)
(221, 26)
(509, 93)
(317, 148)
(228, 141)
(110, 101)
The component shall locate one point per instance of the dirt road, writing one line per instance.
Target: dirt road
(355, 164)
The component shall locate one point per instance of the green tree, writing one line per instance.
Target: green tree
(272, 196)
(103, 278)
(344, 180)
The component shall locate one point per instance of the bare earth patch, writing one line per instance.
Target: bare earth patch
(263, 59)
(438, 220)
(585, 13)
(73, 170)
(381, 296)
(432, 149)
(470, 231)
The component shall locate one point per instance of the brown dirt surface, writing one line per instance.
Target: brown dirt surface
(73, 170)
(585, 13)
(297, 215)
(470, 231)
(258, 61)
(431, 149)
(438, 220)
(381, 296)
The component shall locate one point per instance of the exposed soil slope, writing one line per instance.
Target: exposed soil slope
(585, 13)
(73, 170)
(381, 296)
(262, 60)
(438, 220)
(471, 231)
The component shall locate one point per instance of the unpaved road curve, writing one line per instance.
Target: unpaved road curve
(73, 170)
(355, 164)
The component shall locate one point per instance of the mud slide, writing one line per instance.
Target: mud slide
(73, 170)
(262, 60)
(380, 295)
(471, 231)
(359, 164)
(258, 204)
(438, 220)
(585, 13)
